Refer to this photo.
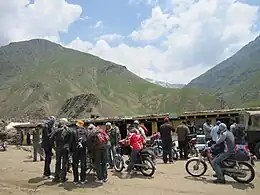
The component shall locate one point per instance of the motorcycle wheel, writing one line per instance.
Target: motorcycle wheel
(175, 155)
(251, 170)
(196, 167)
(150, 164)
(118, 163)
(158, 151)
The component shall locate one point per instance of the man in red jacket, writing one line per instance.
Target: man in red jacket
(135, 140)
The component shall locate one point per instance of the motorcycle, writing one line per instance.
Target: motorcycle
(192, 150)
(145, 161)
(231, 167)
(158, 150)
(3, 146)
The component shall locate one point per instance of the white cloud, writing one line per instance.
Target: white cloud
(154, 27)
(149, 2)
(80, 45)
(197, 35)
(194, 35)
(98, 24)
(111, 38)
(84, 18)
(20, 20)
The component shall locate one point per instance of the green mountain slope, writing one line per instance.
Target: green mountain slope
(236, 79)
(40, 78)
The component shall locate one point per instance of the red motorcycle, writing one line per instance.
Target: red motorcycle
(232, 167)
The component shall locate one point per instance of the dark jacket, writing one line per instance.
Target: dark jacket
(182, 132)
(46, 131)
(114, 136)
(78, 143)
(62, 137)
(166, 132)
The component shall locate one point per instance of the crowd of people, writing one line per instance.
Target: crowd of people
(73, 144)
(219, 136)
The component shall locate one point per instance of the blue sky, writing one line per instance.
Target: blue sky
(118, 16)
(166, 40)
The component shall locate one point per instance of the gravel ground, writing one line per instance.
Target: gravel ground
(20, 176)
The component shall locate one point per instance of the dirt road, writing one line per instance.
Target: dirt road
(20, 176)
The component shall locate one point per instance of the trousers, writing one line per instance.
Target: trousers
(216, 164)
(79, 156)
(167, 151)
(47, 161)
(100, 161)
(61, 166)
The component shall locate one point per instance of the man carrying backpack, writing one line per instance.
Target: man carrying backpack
(97, 145)
(79, 145)
(62, 137)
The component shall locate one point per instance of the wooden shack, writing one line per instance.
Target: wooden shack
(152, 122)
(199, 117)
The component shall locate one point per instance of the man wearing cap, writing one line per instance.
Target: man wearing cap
(79, 145)
(166, 135)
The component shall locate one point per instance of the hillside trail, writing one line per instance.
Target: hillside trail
(20, 176)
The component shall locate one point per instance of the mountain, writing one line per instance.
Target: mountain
(237, 79)
(165, 84)
(40, 78)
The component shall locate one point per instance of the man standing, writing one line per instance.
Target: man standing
(214, 133)
(62, 136)
(113, 137)
(166, 135)
(207, 129)
(183, 132)
(191, 127)
(46, 145)
(238, 132)
(37, 149)
(97, 145)
(79, 145)
(233, 126)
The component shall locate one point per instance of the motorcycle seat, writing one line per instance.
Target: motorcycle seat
(144, 150)
(232, 157)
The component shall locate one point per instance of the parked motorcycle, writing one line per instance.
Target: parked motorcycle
(157, 148)
(192, 150)
(231, 167)
(145, 162)
(3, 146)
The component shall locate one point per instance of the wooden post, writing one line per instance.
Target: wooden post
(154, 127)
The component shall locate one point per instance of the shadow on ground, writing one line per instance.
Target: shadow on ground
(234, 184)
(121, 175)
(69, 185)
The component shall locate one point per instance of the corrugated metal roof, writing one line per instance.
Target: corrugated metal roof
(219, 111)
(117, 118)
(253, 112)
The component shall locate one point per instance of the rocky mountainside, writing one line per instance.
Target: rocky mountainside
(165, 84)
(237, 79)
(40, 78)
